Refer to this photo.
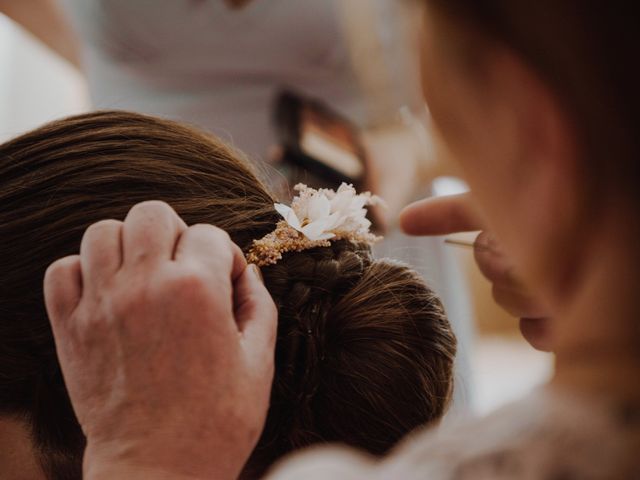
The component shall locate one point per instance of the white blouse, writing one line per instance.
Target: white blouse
(201, 62)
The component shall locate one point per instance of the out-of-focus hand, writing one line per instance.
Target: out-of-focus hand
(166, 341)
(452, 214)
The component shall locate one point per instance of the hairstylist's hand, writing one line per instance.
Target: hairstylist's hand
(166, 342)
(455, 213)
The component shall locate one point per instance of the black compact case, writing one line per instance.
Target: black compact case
(320, 147)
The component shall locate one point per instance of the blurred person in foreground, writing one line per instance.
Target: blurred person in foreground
(537, 101)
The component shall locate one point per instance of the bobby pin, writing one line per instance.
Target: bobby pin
(465, 243)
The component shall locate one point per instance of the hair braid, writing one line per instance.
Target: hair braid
(305, 286)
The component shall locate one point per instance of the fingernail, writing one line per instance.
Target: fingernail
(256, 271)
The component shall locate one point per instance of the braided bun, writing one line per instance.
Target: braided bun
(305, 286)
(316, 275)
(364, 353)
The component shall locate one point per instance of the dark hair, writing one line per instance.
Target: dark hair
(586, 52)
(364, 351)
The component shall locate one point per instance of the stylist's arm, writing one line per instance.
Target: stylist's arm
(166, 340)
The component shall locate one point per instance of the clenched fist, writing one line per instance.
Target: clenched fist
(166, 341)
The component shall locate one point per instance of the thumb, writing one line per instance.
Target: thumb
(62, 288)
(255, 312)
(441, 216)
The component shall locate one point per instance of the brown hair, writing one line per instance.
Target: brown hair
(586, 52)
(364, 351)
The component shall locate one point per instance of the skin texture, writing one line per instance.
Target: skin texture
(129, 278)
(521, 156)
(457, 213)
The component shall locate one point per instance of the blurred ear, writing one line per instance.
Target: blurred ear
(545, 135)
(544, 167)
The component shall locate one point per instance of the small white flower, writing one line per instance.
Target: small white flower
(315, 227)
(319, 214)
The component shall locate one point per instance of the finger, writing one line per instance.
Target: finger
(492, 263)
(101, 252)
(62, 288)
(441, 216)
(537, 332)
(256, 314)
(518, 303)
(211, 247)
(150, 233)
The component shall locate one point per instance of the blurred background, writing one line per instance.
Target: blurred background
(354, 67)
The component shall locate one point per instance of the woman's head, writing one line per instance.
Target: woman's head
(537, 100)
(364, 352)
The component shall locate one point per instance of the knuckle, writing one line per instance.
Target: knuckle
(104, 224)
(189, 279)
(93, 324)
(133, 294)
(211, 231)
(120, 304)
(153, 207)
(59, 267)
(122, 313)
(97, 229)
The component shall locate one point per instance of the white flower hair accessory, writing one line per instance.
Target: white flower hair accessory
(314, 219)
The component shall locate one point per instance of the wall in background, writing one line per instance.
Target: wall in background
(36, 86)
